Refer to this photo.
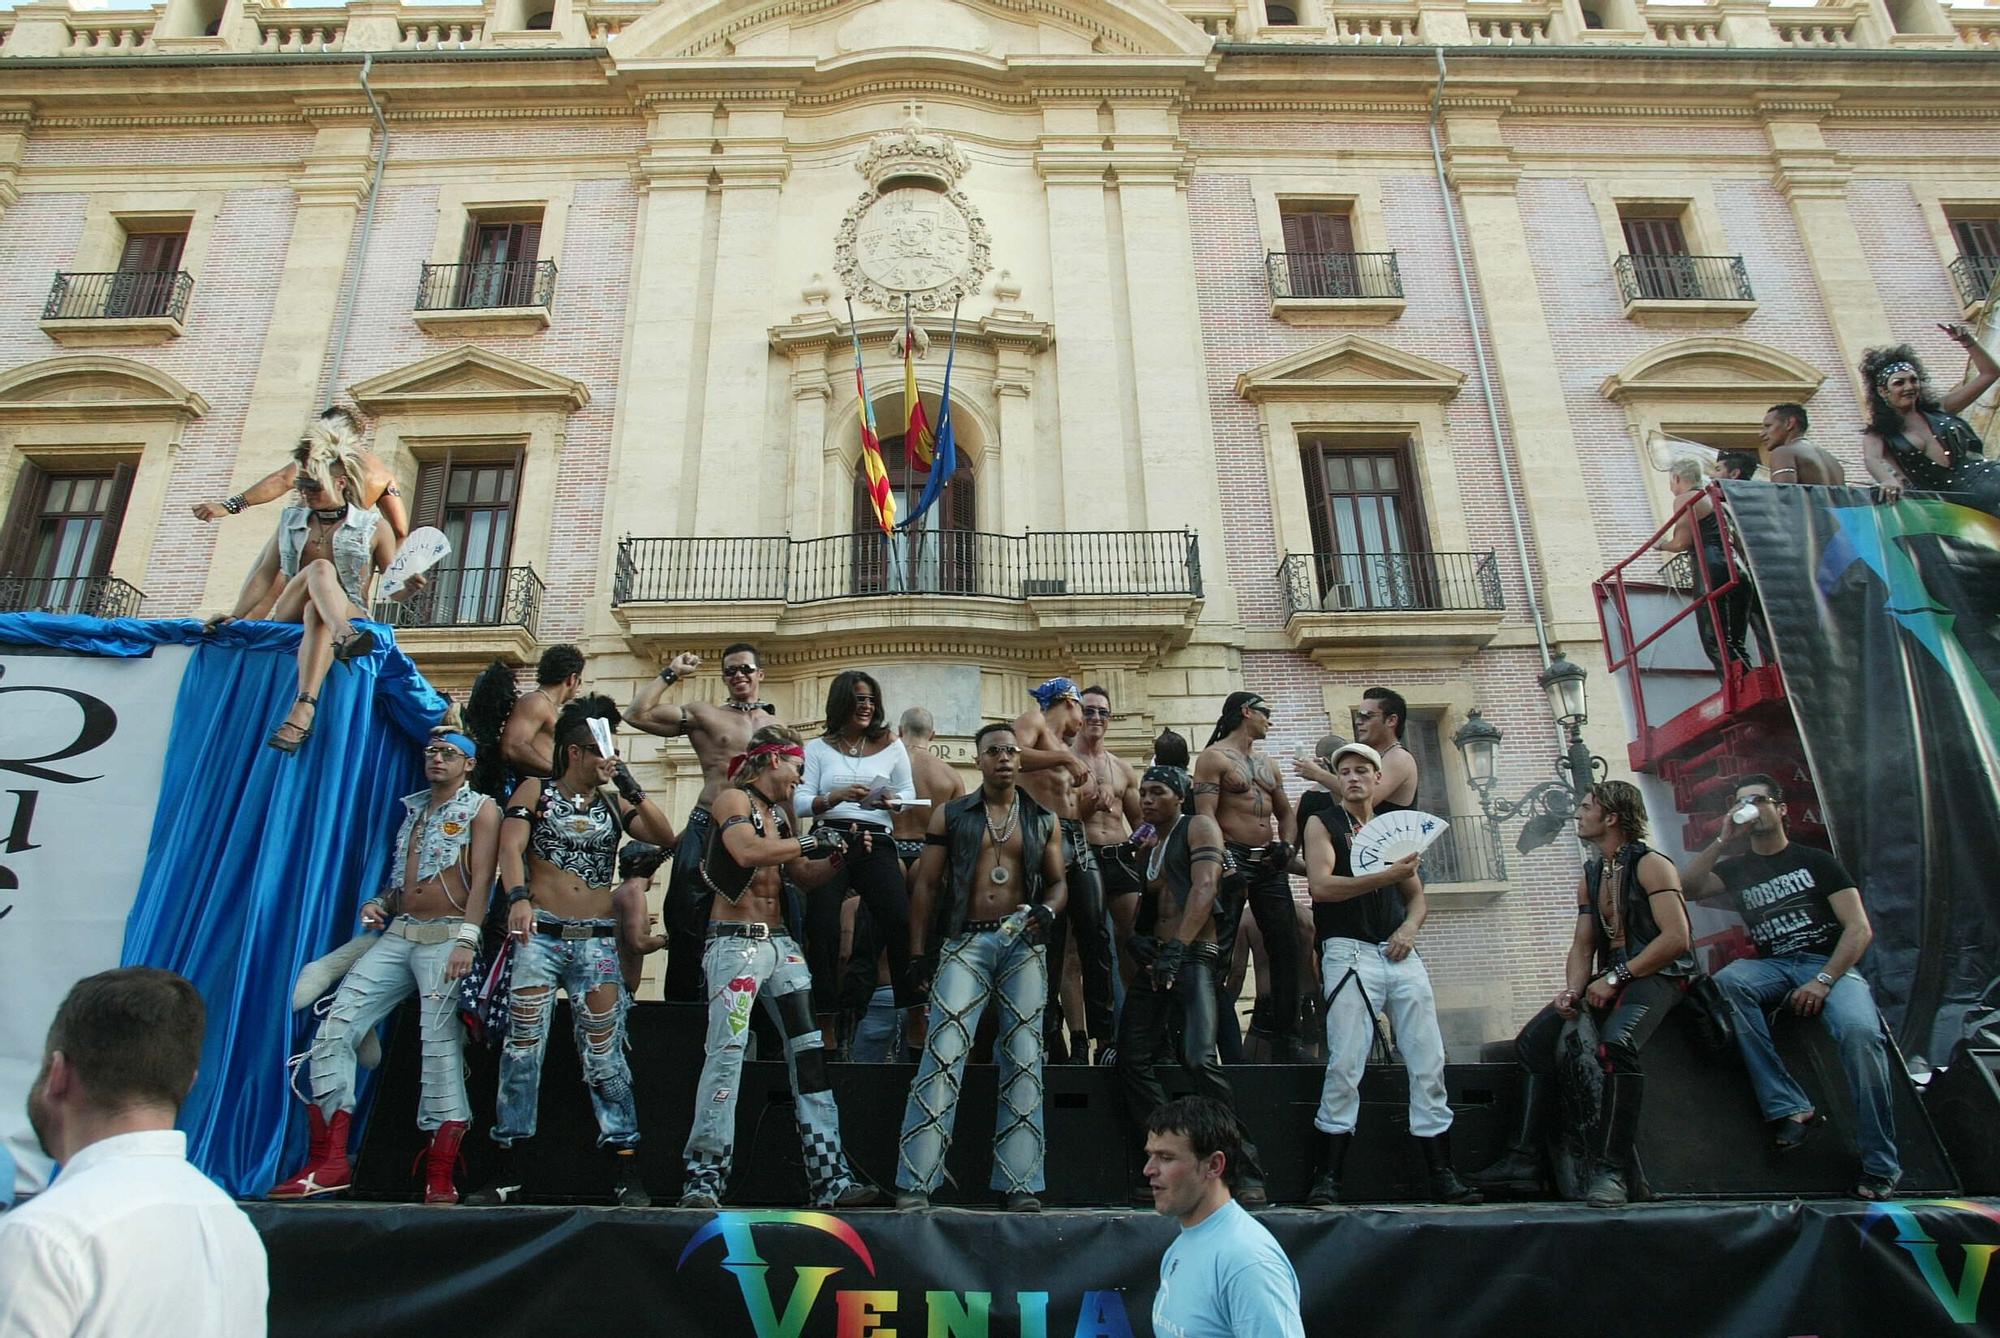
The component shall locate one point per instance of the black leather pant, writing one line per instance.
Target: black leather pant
(1085, 914)
(683, 980)
(1270, 902)
(1635, 1015)
(1146, 1033)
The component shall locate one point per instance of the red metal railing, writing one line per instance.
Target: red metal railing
(1614, 602)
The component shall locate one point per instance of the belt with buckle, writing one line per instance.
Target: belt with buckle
(981, 926)
(741, 929)
(574, 929)
(424, 931)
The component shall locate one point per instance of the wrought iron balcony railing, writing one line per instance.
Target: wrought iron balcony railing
(1381, 582)
(120, 295)
(90, 596)
(1305, 274)
(1974, 276)
(925, 562)
(478, 287)
(470, 597)
(1468, 852)
(1684, 279)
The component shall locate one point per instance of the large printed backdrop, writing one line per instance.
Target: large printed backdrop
(1887, 623)
(82, 741)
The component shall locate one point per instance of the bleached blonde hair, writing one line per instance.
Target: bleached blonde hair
(330, 454)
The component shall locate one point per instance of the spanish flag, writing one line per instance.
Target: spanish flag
(919, 442)
(880, 496)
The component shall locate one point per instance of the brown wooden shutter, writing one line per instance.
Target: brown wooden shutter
(1319, 232)
(17, 537)
(147, 252)
(1978, 238)
(1655, 236)
(428, 506)
(114, 518)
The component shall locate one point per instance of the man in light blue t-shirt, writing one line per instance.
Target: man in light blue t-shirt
(1224, 1276)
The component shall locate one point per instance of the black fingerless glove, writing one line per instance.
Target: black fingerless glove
(639, 859)
(822, 843)
(1040, 919)
(921, 971)
(1167, 965)
(1278, 854)
(628, 785)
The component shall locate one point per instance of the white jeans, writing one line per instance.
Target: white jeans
(1359, 981)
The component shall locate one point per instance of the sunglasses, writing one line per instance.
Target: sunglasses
(442, 750)
(1002, 750)
(1264, 711)
(738, 670)
(1096, 713)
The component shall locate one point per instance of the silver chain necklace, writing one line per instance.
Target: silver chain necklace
(999, 836)
(1158, 861)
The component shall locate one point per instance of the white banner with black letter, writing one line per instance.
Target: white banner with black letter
(83, 742)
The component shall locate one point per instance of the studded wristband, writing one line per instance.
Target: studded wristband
(233, 505)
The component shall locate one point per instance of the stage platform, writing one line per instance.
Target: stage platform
(1675, 1270)
(1700, 1135)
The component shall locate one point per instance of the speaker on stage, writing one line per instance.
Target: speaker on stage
(1964, 1102)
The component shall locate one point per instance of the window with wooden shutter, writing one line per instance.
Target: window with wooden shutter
(1978, 238)
(471, 498)
(62, 532)
(148, 267)
(1367, 528)
(1658, 248)
(1319, 251)
(499, 264)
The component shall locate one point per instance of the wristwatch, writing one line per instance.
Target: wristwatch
(1617, 975)
(1823, 979)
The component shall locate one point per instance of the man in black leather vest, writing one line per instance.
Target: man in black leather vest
(1629, 963)
(989, 885)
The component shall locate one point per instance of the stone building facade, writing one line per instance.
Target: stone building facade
(1299, 347)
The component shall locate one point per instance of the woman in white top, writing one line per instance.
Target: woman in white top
(853, 773)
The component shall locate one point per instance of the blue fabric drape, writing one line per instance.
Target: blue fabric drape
(258, 860)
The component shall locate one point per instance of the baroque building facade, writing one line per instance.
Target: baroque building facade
(1298, 348)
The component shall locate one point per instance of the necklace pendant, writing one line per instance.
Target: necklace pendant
(999, 876)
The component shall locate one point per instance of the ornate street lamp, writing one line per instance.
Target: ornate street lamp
(1552, 803)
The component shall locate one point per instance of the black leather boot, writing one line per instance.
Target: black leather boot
(1445, 1186)
(1616, 1131)
(1325, 1191)
(1519, 1169)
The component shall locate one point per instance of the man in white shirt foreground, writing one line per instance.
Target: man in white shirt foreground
(129, 1239)
(1224, 1276)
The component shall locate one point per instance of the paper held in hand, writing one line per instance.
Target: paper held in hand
(885, 797)
(1384, 840)
(424, 549)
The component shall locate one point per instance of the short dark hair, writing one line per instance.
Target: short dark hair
(1795, 412)
(558, 663)
(1209, 1127)
(1095, 691)
(1742, 462)
(840, 703)
(1170, 750)
(132, 1035)
(1622, 800)
(1392, 704)
(743, 647)
(997, 727)
(1763, 778)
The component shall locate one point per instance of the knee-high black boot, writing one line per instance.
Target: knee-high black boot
(1519, 1169)
(1612, 1139)
(1325, 1191)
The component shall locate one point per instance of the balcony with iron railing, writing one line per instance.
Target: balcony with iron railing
(469, 616)
(486, 297)
(1334, 287)
(117, 307)
(88, 596)
(1034, 587)
(1676, 289)
(1466, 865)
(1974, 276)
(1430, 608)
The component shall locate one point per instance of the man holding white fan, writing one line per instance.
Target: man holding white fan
(1366, 922)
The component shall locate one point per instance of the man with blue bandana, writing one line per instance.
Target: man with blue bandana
(1060, 781)
(430, 919)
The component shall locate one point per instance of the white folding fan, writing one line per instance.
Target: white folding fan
(1385, 839)
(424, 549)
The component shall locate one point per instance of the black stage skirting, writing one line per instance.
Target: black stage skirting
(1759, 1270)
(1700, 1134)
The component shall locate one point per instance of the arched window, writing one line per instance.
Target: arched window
(939, 555)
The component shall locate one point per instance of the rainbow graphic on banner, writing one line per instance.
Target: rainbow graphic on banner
(1961, 1299)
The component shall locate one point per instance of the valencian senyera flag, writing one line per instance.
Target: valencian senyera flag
(1885, 619)
(880, 495)
(918, 442)
(944, 462)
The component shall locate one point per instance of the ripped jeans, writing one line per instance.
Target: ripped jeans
(739, 970)
(580, 966)
(388, 973)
